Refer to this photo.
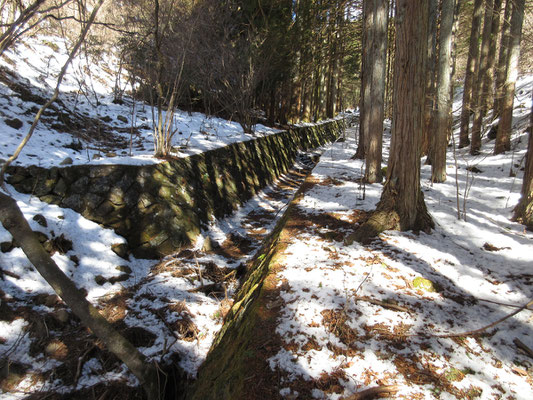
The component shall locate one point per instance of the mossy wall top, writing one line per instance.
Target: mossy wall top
(160, 208)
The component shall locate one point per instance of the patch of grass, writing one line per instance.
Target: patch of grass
(454, 375)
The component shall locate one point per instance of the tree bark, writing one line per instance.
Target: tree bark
(488, 80)
(503, 137)
(475, 145)
(376, 109)
(366, 80)
(501, 69)
(430, 77)
(13, 220)
(523, 212)
(444, 89)
(471, 72)
(402, 203)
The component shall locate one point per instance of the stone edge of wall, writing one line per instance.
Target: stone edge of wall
(163, 207)
(225, 372)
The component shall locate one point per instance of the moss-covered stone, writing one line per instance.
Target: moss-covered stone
(424, 284)
(161, 207)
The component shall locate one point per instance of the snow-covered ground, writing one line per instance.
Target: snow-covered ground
(358, 316)
(339, 339)
(167, 308)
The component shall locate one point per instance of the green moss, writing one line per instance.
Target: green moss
(424, 284)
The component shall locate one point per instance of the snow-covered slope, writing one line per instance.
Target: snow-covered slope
(85, 125)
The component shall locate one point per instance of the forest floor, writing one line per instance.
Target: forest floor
(348, 318)
(398, 314)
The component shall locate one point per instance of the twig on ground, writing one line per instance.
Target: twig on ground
(383, 304)
(523, 347)
(480, 330)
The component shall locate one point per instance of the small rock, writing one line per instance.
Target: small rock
(120, 278)
(14, 123)
(124, 268)
(111, 154)
(75, 259)
(61, 315)
(67, 161)
(121, 250)
(100, 280)
(41, 220)
(6, 247)
(51, 300)
(208, 244)
(122, 118)
(56, 349)
(474, 169)
(77, 146)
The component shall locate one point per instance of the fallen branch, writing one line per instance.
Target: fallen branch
(504, 304)
(480, 330)
(383, 304)
(374, 393)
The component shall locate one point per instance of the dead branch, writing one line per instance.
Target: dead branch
(374, 393)
(483, 329)
(383, 304)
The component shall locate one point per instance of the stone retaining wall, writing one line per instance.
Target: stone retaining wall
(160, 208)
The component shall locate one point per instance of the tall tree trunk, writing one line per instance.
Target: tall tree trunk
(402, 203)
(366, 80)
(523, 212)
(430, 77)
(471, 72)
(475, 145)
(12, 219)
(501, 69)
(444, 100)
(503, 137)
(487, 89)
(378, 59)
(390, 62)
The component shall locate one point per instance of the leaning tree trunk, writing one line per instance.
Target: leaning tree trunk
(444, 92)
(503, 137)
(475, 145)
(471, 72)
(12, 219)
(402, 203)
(376, 111)
(523, 212)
